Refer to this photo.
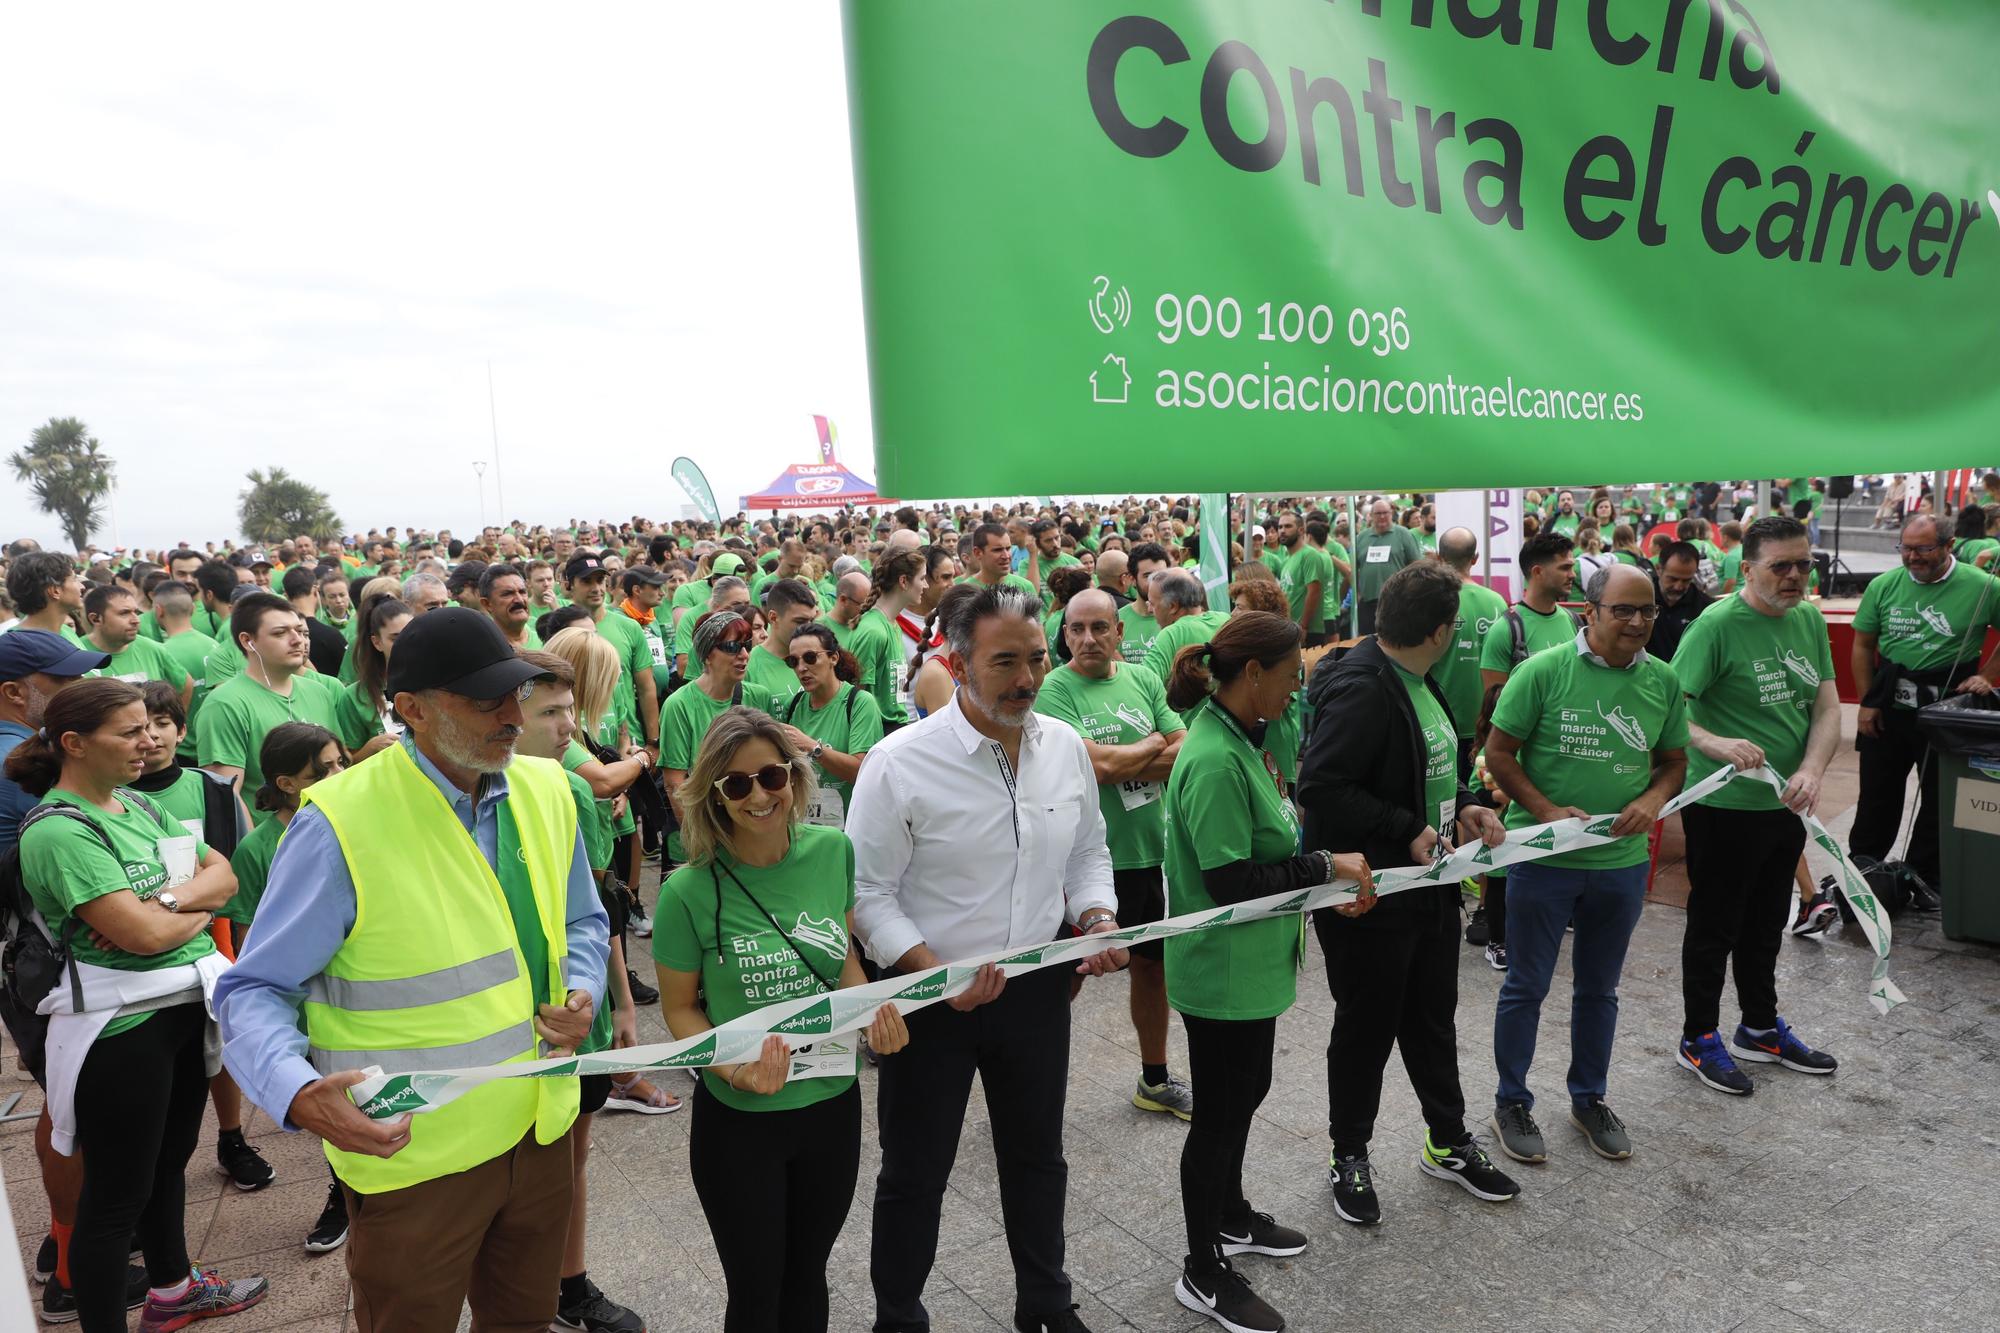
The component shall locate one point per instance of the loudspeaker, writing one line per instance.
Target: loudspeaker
(1839, 488)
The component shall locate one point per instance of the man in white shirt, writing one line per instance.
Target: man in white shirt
(978, 830)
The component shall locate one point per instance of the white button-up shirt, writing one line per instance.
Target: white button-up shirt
(955, 848)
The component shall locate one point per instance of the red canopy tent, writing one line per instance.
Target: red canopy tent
(826, 484)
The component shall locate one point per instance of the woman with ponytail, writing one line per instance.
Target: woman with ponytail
(1232, 836)
(931, 681)
(877, 642)
(361, 713)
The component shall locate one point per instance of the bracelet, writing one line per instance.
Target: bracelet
(1327, 874)
(731, 1080)
(1090, 919)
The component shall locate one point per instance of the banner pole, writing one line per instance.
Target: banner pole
(1354, 565)
(1486, 537)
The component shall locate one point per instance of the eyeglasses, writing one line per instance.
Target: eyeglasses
(732, 646)
(519, 694)
(1908, 549)
(809, 657)
(771, 777)
(1626, 611)
(1784, 567)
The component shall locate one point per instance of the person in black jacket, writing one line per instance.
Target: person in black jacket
(1380, 776)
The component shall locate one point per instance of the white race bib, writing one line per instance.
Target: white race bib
(178, 856)
(1135, 793)
(827, 808)
(1378, 555)
(1906, 694)
(832, 1058)
(659, 647)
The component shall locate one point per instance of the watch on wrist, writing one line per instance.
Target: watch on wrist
(1090, 919)
(817, 751)
(166, 899)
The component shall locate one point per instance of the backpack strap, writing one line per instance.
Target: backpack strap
(61, 943)
(1518, 632)
(736, 696)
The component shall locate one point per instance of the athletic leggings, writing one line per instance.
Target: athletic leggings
(139, 1103)
(1229, 1062)
(776, 1187)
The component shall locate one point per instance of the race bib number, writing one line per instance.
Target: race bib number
(1447, 827)
(1906, 694)
(1378, 555)
(832, 1058)
(659, 647)
(826, 808)
(1135, 793)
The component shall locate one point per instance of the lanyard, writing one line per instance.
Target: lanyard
(790, 943)
(1270, 764)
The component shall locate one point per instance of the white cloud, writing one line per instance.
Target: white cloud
(236, 237)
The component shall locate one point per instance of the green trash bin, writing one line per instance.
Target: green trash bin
(1964, 733)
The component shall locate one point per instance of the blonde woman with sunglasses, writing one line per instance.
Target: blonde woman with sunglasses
(763, 912)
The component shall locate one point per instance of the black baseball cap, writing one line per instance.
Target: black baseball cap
(458, 651)
(581, 565)
(638, 574)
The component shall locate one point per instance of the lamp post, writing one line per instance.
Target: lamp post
(479, 470)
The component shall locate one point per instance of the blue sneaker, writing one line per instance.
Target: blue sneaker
(1710, 1061)
(1781, 1046)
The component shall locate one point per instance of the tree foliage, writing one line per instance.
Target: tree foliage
(68, 472)
(277, 505)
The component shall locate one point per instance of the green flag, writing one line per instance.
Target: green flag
(691, 479)
(1286, 244)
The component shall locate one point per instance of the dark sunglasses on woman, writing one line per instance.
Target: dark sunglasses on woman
(771, 777)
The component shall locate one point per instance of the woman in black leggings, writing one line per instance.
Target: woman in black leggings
(1232, 835)
(100, 862)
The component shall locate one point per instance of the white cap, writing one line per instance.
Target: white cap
(1256, 531)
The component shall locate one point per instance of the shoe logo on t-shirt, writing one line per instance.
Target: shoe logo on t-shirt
(1936, 619)
(1134, 718)
(824, 932)
(1800, 667)
(1629, 731)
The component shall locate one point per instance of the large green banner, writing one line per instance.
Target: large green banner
(1277, 245)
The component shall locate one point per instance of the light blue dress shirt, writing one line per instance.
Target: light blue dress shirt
(305, 916)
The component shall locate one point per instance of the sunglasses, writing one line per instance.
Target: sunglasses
(771, 777)
(732, 646)
(809, 657)
(1784, 567)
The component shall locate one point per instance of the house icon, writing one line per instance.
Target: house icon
(1113, 385)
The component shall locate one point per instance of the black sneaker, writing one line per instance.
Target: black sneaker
(1261, 1234)
(1816, 914)
(1226, 1298)
(641, 992)
(598, 1313)
(1709, 1060)
(1062, 1321)
(1354, 1190)
(1475, 929)
(1496, 957)
(45, 1260)
(330, 1232)
(1468, 1165)
(243, 1164)
(59, 1305)
(1781, 1046)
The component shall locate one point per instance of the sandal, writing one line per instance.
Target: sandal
(634, 1093)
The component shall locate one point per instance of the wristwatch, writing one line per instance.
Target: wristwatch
(166, 899)
(1089, 919)
(817, 751)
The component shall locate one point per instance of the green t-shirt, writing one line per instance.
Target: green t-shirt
(601, 829)
(1050, 564)
(1566, 524)
(684, 719)
(1009, 581)
(1729, 569)
(766, 670)
(1457, 672)
(851, 723)
(1440, 753)
(809, 894)
(1588, 735)
(1971, 549)
(1123, 709)
(1273, 558)
(1753, 676)
(877, 644)
(1306, 566)
(1377, 555)
(204, 622)
(842, 634)
(242, 711)
(693, 595)
(1223, 806)
(252, 863)
(356, 719)
(185, 801)
(1195, 627)
(64, 866)
(635, 659)
(190, 651)
(346, 627)
(1924, 626)
(1140, 631)
(143, 660)
(1538, 632)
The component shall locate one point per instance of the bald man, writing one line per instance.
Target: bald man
(1114, 576)
(851, 595)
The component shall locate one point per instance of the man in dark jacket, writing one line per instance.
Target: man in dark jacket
(1380, 776)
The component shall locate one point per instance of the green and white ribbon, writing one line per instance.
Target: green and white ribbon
(813, 1019)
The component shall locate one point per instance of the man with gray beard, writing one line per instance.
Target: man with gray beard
(978, 829)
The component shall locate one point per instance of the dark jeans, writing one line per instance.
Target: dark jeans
(776, 1187)
(1542, 900)
(1886, 761)
(1019, 1047)
(1739, 865)
(139, 1103)
(1230, 1064)
(1394, 984)
(1367, 610)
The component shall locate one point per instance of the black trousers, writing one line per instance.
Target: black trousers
(1886, 761)
(776, 1187)
(1367, 610)
(1019, 1047)
(1495, 902)
(1739, 866)
(139, 1103)
(1394, 983)
(1230, 1063)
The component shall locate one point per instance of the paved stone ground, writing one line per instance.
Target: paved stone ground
(1870, 1200)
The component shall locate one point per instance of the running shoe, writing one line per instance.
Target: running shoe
(1815, 915)
(1354, 1196)
(1604, 1130)
(206, 1297)
(1062, 1321)
(1496, 957)
(1515, 1130)
(330, 1232)
(1469, 1166)
(1781, 1046)
(243, 1164)
(1261, 1234)
(1709, 1059)
(1174, 1097)
(59, 1302)
(45, 1259)
(641, 992)
(1226, 1298)
(1475, 928)
(595, 1312)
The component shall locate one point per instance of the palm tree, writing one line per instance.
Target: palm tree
(70, 476)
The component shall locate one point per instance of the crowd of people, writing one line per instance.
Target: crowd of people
(867, 745)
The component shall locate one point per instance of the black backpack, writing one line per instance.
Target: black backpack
(32, 960)
(1518, 630)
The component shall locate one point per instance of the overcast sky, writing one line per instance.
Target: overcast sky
(236, 237)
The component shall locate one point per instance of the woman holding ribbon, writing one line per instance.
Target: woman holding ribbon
(133, 894)
(763, 913)
(1233, 837)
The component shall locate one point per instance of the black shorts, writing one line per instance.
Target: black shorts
(595, 1091)
(1142, 899)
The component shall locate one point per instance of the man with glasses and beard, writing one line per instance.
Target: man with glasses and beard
(1758, 673)
(456, 976)
(978, 829)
